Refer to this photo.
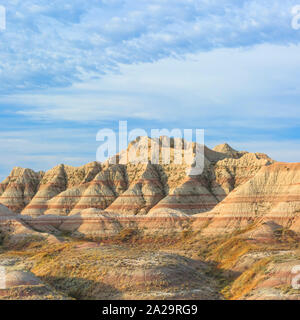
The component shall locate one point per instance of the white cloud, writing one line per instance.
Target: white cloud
(56, 43)
(257, 87)
(231, 67)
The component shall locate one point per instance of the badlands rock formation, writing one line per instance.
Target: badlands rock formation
(14, 228)
(272, 196)
(236, 189)
(56, 181)
(18, 189)
(230, 231)
(130, 188)
(155, 191)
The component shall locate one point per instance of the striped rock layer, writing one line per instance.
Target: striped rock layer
(13, 227)
(267, 202)
(132, 188)
(18, 189)
(262, 208)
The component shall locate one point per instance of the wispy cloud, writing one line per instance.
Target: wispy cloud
(69, 68)
(232, 88)
(56, 43)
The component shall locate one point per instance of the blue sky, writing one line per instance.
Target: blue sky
(69, 68)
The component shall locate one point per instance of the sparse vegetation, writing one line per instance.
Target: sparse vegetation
(81, 269)
(128, 234)
(248, 279)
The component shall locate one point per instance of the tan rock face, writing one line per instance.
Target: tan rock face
(191, 197)
(270, 200)
(273, 194)
(227, 150)
(18, 189)
(96, 223)
(130, 189)
(56, 181)
(93, 223)
(145, 190)
(14, 228)
(164, 222)
(244, 207)
(229, 173)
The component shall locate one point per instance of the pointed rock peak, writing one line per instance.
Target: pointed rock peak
(18, 172)
(93, 164)
(59, 168)
(139, 140)
(224, 148)
(17, 169)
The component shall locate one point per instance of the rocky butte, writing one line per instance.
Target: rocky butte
(231, 232)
